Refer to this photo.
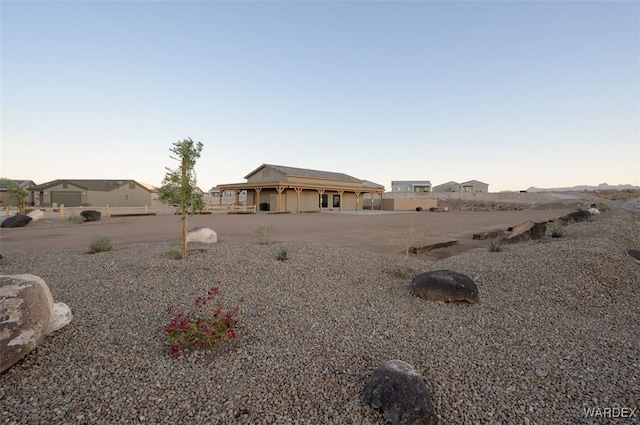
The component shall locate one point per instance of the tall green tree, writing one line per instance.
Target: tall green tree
(179, 185)
(16, 194)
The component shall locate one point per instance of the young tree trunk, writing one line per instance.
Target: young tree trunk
(184, 234)
(184, 210)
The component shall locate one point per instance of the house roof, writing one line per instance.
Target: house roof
(473, 182)
(413, 182)
(95, 185)
(5, 183)
(304, 172)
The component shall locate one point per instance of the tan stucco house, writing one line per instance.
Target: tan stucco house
(279, 188)
(98, 193)
(471, 186)
(7, 201)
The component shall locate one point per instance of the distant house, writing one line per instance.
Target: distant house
(5, 199)
(75, 193)
(471, 186)
(227, 197)
(288, 189)
(411, 186)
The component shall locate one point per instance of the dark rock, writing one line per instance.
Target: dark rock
(635, 253)
(91, 215)
(17, 220)
(576, 217)
(418, 209)
(526, 231)
(444, 285)
(401, 393)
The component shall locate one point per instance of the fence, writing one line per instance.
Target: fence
(108, 211)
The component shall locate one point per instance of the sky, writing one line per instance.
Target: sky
(511, 93)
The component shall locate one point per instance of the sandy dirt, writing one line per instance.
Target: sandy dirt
(378, 231)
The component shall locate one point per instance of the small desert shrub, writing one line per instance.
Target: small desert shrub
(100, 244)
(175, 253)
(402, 270)
(558, 230)
(265, 233)
(77, 219)
(201, 329)
(603, 208)
(495, 246)
(282, 254)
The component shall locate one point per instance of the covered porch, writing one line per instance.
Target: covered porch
(299, 197)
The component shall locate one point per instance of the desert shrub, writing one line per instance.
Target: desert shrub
(495, 246)
(558, 230)
(77, 219)
(282, 254)
(174, 252)
(208, 325)
(602, 207)
(402, 270)
(100, 244)
(265, 233)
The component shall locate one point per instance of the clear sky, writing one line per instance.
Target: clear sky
(511, 93)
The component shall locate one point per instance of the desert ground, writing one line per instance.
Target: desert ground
(554, 338)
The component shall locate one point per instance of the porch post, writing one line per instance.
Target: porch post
(320, 193)
(279, 189)
(256, 202)
(357, 198)
(298, 190)
(340, 192)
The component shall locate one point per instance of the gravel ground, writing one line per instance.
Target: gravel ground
(556, 331)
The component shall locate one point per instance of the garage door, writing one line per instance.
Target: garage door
(68, 199)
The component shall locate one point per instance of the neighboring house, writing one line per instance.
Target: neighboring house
(474, 186)
(411, 186)
(227, 197)
(288, 189)
(74, 193)
(7, 201)
(471, 186)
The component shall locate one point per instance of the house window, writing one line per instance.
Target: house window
(324, 199)
(336, 201)
(64, 185)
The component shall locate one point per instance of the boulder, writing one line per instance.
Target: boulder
(202, 235)
(634, 253)
(35, 214)
(17, 220)
(576, 217)
(91, 215)
(444, 285)
(526, 231)
(593, 211)
(28, 315)
(401, 393)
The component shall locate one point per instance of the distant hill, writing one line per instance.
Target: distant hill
(601, 186)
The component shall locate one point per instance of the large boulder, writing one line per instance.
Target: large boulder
(529, 230)
(445, 286)
(28, 314)
(401, 393)
(576, 217)
(35, 214)
(17, 220)
(91, 215)
(202, 235)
